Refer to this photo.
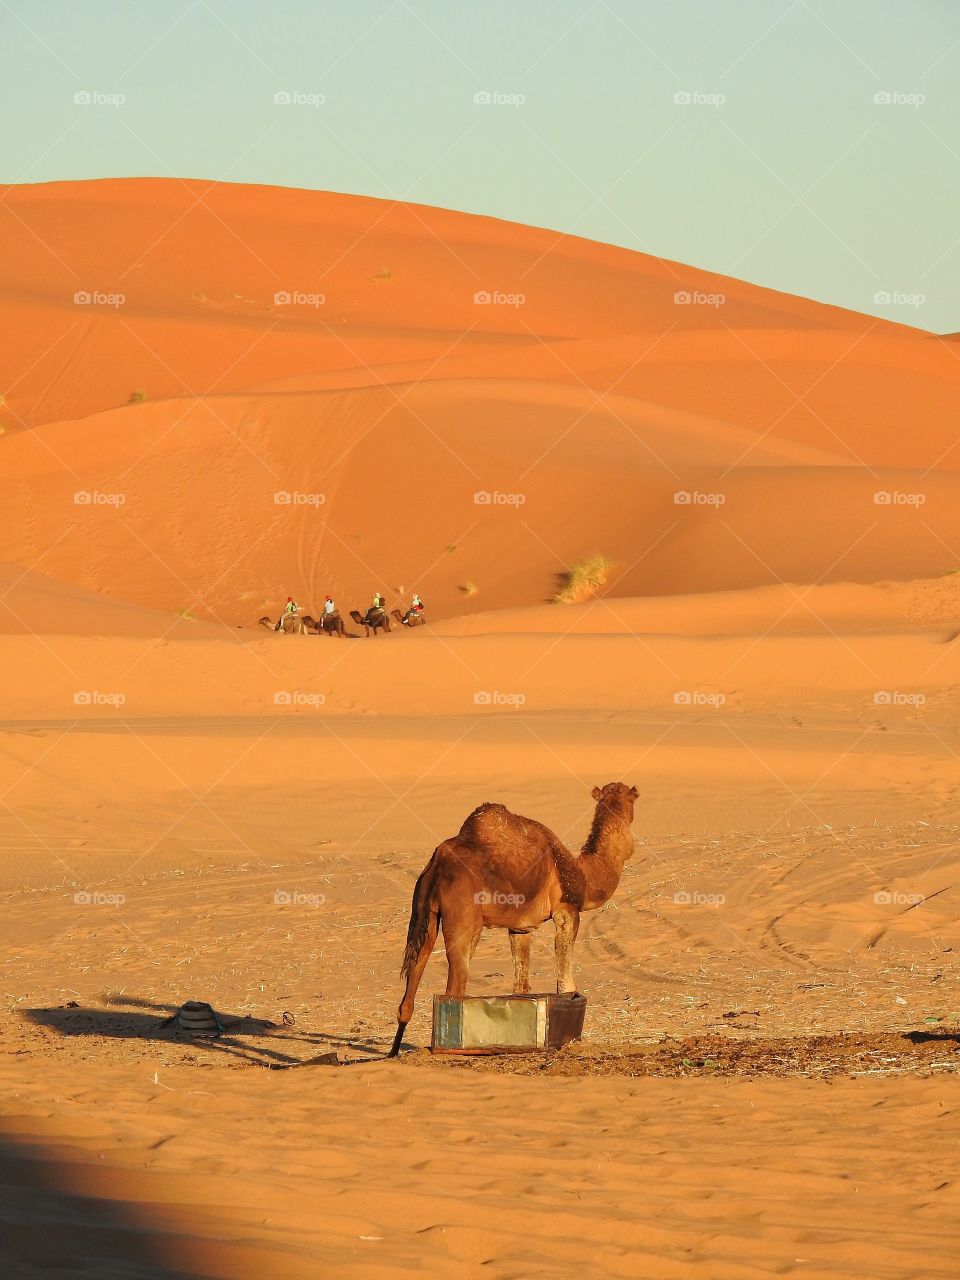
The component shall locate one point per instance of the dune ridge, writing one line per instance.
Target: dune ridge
(387, 406)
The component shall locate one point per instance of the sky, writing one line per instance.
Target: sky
(809, 145)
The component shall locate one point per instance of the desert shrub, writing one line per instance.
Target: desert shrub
(581, 580)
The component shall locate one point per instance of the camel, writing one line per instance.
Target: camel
(293, 624)
(372, 620)
(506, 872)
(415, 619)
(331, 624)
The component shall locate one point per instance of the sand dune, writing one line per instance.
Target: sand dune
(386, 408)
(32, 603)
(225, 507)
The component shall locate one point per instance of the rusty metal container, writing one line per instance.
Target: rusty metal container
(506, 1024)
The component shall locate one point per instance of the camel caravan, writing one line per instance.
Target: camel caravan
(502, 871)
(374, 619)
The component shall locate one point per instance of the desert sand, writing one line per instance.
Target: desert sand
(192, 807)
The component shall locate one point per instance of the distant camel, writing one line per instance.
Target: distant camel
(292, 624)
(415, 619)
(507, 872)
(372, 620)
(331, 624)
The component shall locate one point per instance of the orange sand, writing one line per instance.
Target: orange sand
(777, 672)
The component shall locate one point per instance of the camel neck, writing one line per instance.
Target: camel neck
(609, 832)
(607, 848)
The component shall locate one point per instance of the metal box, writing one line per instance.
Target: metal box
(506, 1024)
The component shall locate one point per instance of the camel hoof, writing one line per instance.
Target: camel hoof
(397, 1040)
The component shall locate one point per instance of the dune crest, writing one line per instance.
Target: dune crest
(346, 394)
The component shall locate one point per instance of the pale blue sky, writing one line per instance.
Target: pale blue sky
(784, 170)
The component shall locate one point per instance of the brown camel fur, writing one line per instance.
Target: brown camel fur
(507, 872)
(372, 620)
(292, 624)
(415, 619)
(331, 624)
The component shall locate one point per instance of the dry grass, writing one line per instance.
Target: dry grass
(582, 579)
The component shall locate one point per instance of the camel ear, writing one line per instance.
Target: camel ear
(634, 793)
(596, 793)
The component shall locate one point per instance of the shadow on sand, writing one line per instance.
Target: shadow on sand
(251, 1040)
(50, 1227)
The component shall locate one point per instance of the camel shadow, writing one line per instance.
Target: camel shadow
(244, 1038)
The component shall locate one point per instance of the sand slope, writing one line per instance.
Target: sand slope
(369, 1174)
(300, 447)
(31, 603)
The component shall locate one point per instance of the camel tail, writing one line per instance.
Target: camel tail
(421, 937)
(420, 913)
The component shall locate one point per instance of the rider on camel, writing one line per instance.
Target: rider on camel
(416, 608)
(291, 609)
(378, 605)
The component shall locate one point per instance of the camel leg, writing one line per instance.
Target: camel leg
(567, 921)
(405, 1012)
(460, 940)
(520, 950)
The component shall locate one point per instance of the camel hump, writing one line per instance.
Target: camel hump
(475, 820)
(488, 806)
